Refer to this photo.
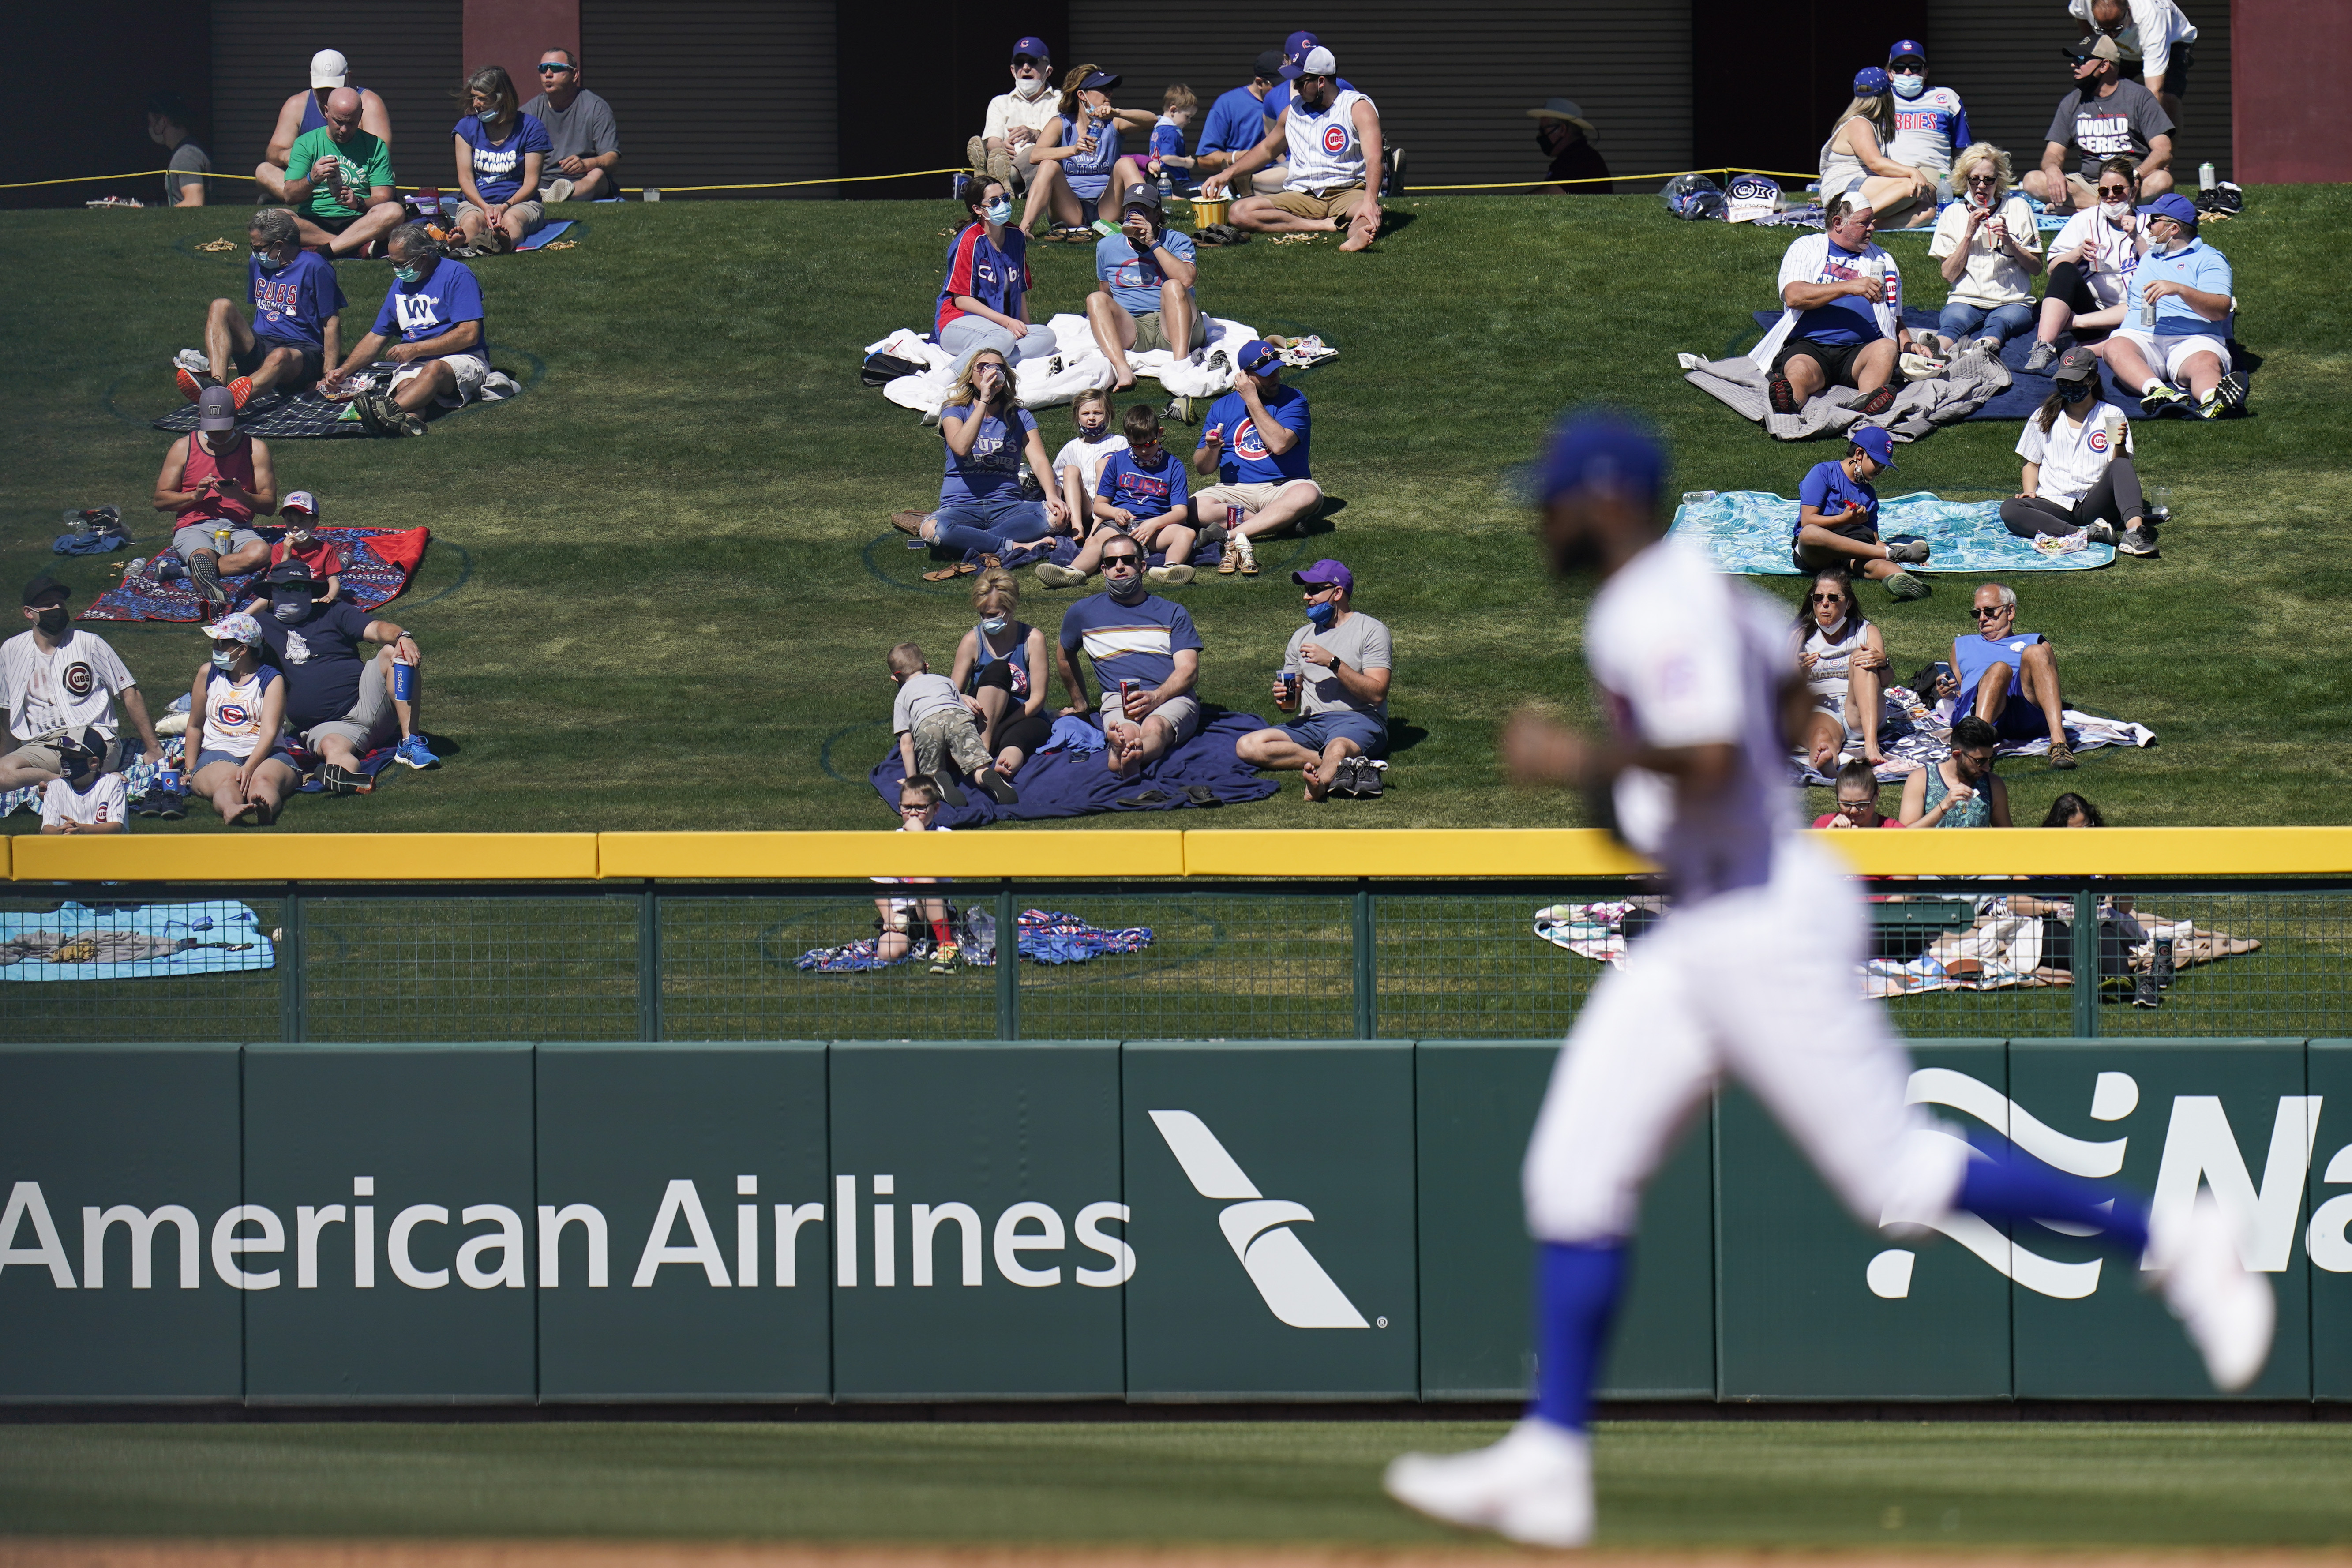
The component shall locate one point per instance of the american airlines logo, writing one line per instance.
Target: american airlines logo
(2201, 1151)
(1293, 1285)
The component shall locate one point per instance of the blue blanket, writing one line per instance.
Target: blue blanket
(1749, 532)
(1058, 783)
(545, 234)
(226, 936)
(1046, 936)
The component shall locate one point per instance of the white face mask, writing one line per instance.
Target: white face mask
(1908, 86)
(2114, 211)
(1029, 86)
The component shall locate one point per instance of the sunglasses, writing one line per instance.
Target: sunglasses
(1129, 561)
(555, 68)
(2114, 190)
(1984, 179)
(1850, 806)
(1985, 615)
(1827, 598)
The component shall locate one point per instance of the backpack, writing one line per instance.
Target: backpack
(880, 370)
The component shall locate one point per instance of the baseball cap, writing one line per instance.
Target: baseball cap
(1907, 48)
(216, 409)
(1257, 356)
(1297, 44)
(2098, 47)
(1101, 81)
(238, 628)
(89, 741)
(44, 586)
(2174, 205)
(302, 501)
(1269, 64)
(1603, 448)
(329, 68)
(1314, 62)
(1034, 48)
(1566, 109)
(1870, 81)
(291, 573)
(1324, 573)
(1140, 195)
(2077, 363)
(1876, 440)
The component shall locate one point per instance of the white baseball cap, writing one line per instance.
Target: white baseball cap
(329, 68)
(1319, 61)
(301, 501)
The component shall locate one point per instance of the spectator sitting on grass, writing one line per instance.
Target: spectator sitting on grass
(2009, 679)
(295, 332)
(935, 725)
(434, 308)
(2092, 261)
(300, 511)
(338, 180)
(1847, 537)
(2072, 810)
(1001, 664)
(1255, 440)
(1078, 157)
(982, 507)
(306, 111)
(1236, 121)
(1855, 164)
(2178, 334)
(1930, 122)
(235, 710)
(1841, 659)
(1143, 299)
(2078, 466)
(1962, 790)
(1335, 672)
(85, 798)
(584, 158)
(1017, 119)
(1990, 248)
(339, 704)
(216, 479)
(1842, 317)
(1565, 136)
(2105, 117)
(500, 152)
(58, 681)
(1332, 133)
(1146, 654)
(1078, 465)
(919, 810)
(1139, 495)
(168, 125)
(1177, 108)
(983, 302)
(1857, 800)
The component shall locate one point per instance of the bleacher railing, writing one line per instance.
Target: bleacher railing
(1272, 935)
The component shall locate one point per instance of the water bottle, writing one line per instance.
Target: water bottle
(1167, 188)
(1692, 496)
(2204, 177)
(1944, 190)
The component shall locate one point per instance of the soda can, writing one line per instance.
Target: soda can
(1289, 680)
(403, 681)
(221, 536)
(1126, 689)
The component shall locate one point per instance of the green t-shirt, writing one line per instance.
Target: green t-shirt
(366, 160)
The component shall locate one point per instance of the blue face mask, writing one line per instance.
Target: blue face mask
(223, 658)
(998, 212)
(1323, 614)
(994, 624)
(268, 262)
(408, 274)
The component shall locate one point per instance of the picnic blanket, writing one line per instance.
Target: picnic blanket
(1914, 735)
(1205, 373)
(307, 416)
(548, 232)
(377, 564)
(1055, 783)
(1973, 380)
(140, 942)
(1060, 550)
(1749, 532)
(1046, 936)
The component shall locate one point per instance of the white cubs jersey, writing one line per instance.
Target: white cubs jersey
(108, 800)
(1323, 151)
(1925, 126)
(72, 689)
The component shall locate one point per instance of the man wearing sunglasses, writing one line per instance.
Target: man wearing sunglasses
(1147, 658)
(1332, 133)
(2105, 117)
(587, 144)
(2011, 677)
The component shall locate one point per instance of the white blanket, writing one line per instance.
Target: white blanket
(1206, 373)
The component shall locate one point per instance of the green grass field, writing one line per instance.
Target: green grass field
(663, 581)
(1717, 1484)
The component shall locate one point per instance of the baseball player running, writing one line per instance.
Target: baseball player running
(1751, 974)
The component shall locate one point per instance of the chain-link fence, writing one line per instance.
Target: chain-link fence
(1113, 959)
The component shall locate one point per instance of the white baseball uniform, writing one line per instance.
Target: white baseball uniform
(72, 689)
(1751, 972)
(108, 800)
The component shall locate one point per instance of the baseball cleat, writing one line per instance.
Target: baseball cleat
(2228, 1311)
(1534, 1487)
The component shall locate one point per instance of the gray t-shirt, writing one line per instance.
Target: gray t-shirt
(582, 131)
(1361, 643)
(189, 165)
(918, 695)
(2115, 126)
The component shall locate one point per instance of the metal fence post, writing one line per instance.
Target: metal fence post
(291, 1021)
(649, 966)
(2087, 961)
(1367, 1012)
(1008, 964)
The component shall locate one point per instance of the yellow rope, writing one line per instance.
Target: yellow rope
(1414, 190)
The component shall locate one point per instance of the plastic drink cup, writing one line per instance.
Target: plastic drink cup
(168, 778)
(403, 681)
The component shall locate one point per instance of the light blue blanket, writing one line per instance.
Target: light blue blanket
(1749, 532)
(226, 935)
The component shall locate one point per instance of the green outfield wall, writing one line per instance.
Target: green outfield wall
(1157, 1221)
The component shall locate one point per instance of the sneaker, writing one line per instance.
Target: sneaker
(344, 781)
(1173, 576)
(1371, 779)
(1343, 779)
(171, 804)
(950, 792)
(1903, 585)
(1053, 576)
(2162, 400)
(1910, 551)
(1877, 403)
(204, 572)
(2229, 395)
(2230, 1313)
(148, 804)
(997, 787)
(240, 392)
(192, 381)
(2146, 992)
(380, 414)
(1180, 409)
(944, 958)
(1919, 366)
(1782, 396)
(556, 191)
(1534, 1487)
(414, 752)
(2100, 531)
(2043, 356)
(2061, 757)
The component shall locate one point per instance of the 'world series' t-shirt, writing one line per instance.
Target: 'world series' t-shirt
(993, 466)
(366, 164)
(1135, 279)
(294, 304)
(320, 660)
(1130, 642)
(1246, 460)
(431, 305)
(2115, 126)
(1146, 492)
(497, 165)
(1829, 490)
(1848, 319)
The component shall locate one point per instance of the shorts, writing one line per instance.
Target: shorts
(1339, 203)
(2170, 353)
(307, 374)
(2076, 292)
(331, 225)
(1836, 360)
(2176, 70)
(471, 370)
(41, 751)
(1181, 713)
(370, 723)
(194, 536)
(531, 214)
(1371, 736)
(1152, 334)
(279, 753)
(1251, 496)
(1860, 532)
(2019, 719)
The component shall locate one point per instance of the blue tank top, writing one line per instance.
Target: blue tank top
(313, 117)
(1972, 656)
(1017, 661)
(1977, 813)
(1089, 173)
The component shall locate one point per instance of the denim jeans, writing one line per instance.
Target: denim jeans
(967, 333)
(1966, 324)
(990, 524)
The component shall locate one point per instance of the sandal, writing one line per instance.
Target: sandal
(1145, 799)
(1200, 795)
(1228, 563)
(949, 573)
(2061, 755)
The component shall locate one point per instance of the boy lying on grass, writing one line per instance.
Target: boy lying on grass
(936, 725)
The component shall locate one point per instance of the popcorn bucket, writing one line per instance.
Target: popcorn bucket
(1206, 212)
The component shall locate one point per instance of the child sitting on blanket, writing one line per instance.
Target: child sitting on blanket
(919, 810)
(935, 724)
(301, 511)
(1142, 494)
(87, 798)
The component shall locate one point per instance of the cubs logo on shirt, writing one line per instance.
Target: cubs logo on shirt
(234, 715)
(79, 679)
(1248, 442)
(2097, 440)
(1335, 140)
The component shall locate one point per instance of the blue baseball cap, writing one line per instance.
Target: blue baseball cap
(1297, 44)
(1870, 82)
(1907, 48)
(1876, 440)
(1101, 81)
(1033, 49)
(1602, 449)
(2174, 205)
(1257, 356)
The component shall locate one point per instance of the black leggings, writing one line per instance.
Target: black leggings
(2116, 498)
(1027, 731)
(2068, 282)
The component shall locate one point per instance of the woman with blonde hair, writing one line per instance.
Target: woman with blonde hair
(1990, 245)
(500, 152)
(1854, 158)
(982, 507)
(1001, 664)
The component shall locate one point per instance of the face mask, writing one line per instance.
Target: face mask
(998, 212)
(268, 262)
(994, 625)
(1543, 137)
(1909, 86)
(408, 274)
(53, 621)
(1129, 591)
(1030, 87)
(1322, 613)
(288, 609)
(2114, 211)
(2074, 391)
(223, 658)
